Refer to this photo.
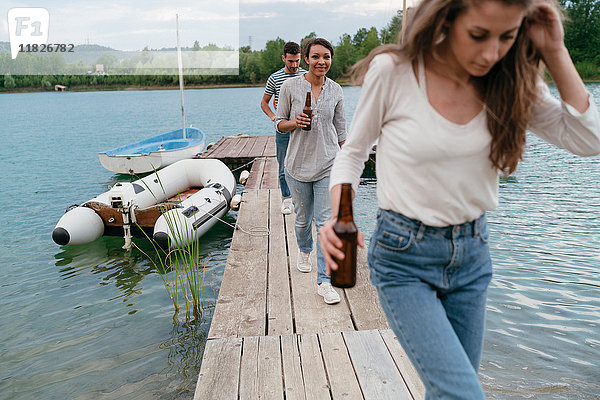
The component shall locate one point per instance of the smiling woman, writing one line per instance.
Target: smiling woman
(311, 151)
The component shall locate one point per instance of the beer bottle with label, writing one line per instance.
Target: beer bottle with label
(345, 229)
(308, 111)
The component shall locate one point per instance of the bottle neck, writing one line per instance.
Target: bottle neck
(345, 210)
(308, 99)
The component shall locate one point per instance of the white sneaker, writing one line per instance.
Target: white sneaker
(328, 292)
(286, 206)
(303, 263)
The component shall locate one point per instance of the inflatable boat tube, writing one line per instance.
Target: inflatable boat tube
(189, 218)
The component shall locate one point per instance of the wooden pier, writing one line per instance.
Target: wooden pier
(272, 336)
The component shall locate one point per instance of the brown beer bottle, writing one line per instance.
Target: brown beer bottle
(345, 229)
(308, 111)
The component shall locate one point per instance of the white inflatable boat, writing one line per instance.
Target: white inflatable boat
(186, 197)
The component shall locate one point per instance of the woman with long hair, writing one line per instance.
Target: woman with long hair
(311, 152)
(449, 108)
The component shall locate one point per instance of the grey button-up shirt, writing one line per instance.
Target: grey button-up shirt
(310, 154)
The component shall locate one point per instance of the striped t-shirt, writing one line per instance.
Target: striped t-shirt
(276, 80)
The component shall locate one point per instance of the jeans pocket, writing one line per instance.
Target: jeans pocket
(395, 241)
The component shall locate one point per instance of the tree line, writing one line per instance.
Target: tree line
(582, 37)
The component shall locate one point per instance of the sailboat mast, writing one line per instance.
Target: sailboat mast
(180, 63)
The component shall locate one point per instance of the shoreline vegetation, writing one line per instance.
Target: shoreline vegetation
(89, 88)
(582, 38)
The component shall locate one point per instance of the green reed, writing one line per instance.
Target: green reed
(180, 266)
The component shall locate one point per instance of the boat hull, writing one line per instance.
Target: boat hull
(153, 153)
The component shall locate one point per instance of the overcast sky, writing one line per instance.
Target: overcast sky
(134, 24)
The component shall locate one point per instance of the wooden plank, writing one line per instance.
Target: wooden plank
(218, 149)
(363, 299)
(241, 304)
(253, 309)
(253, 214)
(292, 370)
(406, 367)
(219, 373)
(270, 178)
(313, 370)
(249, 369)
(260, 374)
(223, 323)
(270, 385)
(261, 369)
(311, 314)
(227, 148)
(279, 308)
(256, 173)
(376, 371)
(234, 149)
(253, 313)
(210, 152)
(258, 148)
(244, 146)
(270, 147)
(342, 379)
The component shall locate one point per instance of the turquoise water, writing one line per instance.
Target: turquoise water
(95, 321)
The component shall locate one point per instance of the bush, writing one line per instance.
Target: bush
(588, 70)
(9, 81)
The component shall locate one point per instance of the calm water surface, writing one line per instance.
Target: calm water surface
(95, 321)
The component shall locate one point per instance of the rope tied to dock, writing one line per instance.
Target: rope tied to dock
(257, 231)
(249, 163)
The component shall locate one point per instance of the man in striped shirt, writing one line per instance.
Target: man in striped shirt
(291, 58)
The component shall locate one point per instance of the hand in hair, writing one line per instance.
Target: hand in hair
(544, 28)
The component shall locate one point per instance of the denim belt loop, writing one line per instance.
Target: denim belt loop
(476, 227)
(420, 232)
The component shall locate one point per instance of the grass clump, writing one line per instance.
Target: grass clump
(180, 265)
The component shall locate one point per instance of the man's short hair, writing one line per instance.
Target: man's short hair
(291, 48)
(312, 41)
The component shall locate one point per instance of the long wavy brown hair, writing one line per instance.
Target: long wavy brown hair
(508, 92)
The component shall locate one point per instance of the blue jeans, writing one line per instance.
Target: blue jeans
(311, 201)
(281, 142)
(432, 284)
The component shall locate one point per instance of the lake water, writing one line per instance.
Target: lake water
(95, 321)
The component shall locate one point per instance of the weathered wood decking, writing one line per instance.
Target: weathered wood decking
(272, 336)
(236, 151)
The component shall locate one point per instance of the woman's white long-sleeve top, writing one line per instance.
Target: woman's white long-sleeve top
(429, 168)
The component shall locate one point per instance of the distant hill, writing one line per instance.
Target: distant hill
(4, 47)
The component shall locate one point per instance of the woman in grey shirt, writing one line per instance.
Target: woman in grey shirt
(311, 153)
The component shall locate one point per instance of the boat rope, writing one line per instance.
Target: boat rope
(258, 231)
(72, 206)
(248, 163)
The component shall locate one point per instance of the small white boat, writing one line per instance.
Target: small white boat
(154, 153)
(161, 150)
(187, 197)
